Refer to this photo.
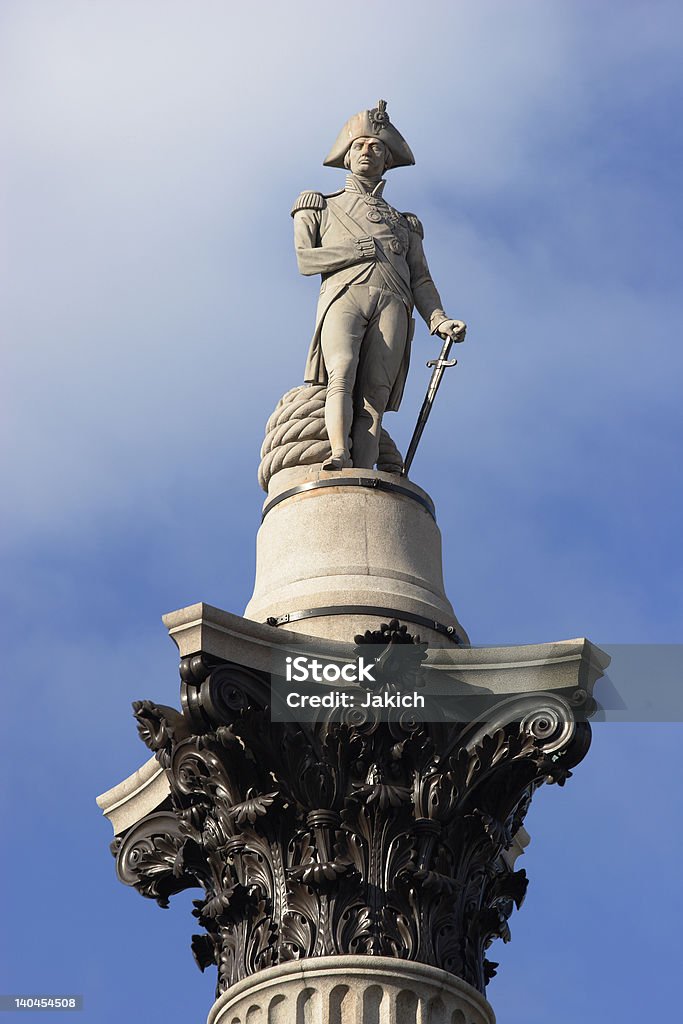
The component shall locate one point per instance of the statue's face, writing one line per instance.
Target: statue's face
(368, 157)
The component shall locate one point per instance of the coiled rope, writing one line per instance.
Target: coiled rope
(296, 435)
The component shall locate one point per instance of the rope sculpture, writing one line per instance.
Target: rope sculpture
(296, 435)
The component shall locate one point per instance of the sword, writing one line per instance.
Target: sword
(439, 366)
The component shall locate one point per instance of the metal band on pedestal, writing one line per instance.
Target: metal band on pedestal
(375, 483)
(363, 609)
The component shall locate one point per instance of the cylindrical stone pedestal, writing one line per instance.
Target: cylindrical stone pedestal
(351, 990)
(353, 539)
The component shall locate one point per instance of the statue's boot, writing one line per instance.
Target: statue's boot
(339, 459)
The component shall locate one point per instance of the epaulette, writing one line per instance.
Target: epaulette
(414, 224)
(309, 201)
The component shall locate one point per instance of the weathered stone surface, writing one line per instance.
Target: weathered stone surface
(352, 990)
(140, 794)
(363, 539)
(564, 666)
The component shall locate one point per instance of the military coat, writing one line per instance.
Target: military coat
(335, 234)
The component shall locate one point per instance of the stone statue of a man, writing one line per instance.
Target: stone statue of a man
(374, 272)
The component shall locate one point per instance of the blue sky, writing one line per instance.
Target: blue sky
(153, 317)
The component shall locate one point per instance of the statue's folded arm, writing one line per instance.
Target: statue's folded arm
(312, 258)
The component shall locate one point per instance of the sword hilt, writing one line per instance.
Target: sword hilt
(442, 362)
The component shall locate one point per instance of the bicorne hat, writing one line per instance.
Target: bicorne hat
(363, 126)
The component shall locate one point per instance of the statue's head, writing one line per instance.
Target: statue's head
(368, 156)
(364, 128)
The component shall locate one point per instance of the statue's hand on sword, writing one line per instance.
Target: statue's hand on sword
(453, 329)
